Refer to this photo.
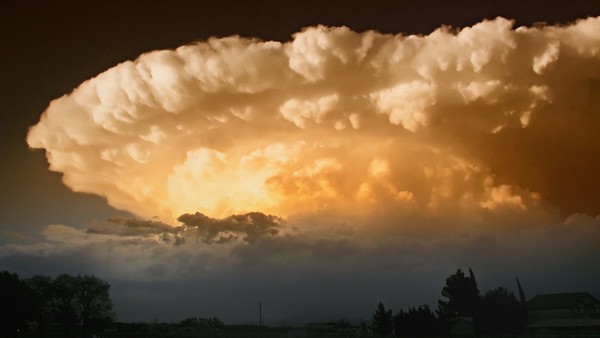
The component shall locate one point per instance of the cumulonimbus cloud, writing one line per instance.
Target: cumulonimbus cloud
(480, 120)
(394, 160)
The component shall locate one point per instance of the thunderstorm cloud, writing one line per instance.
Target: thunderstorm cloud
(485, 118)
(331, 153)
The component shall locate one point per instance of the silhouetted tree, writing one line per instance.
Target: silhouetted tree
(501, 313)
(212, 323)
(17, 305)
(364, 329)
(66, 300)
(383, 321)
(523, 303)
(344, 328)
(64, 303)
(92, 302)
(418, 322)
(44, 295)
(342, 323)
(190, 322)
(462, 294)
(215, 323)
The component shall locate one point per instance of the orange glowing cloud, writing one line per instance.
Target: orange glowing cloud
(334, 121)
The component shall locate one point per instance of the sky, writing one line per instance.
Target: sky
(317, 157)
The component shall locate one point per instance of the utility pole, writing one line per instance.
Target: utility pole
(259, 313)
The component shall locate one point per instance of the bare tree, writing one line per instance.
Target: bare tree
(66, 314)
(93, 301)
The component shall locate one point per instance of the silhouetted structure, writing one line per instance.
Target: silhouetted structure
(575, 313)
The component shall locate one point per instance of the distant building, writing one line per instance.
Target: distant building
(564, 313)
(462, 326)
(326, 329)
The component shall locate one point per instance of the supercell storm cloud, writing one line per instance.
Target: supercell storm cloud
(337, 161)
(337, 121)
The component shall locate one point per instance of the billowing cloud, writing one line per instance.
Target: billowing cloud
(302, 171)
(486, 119)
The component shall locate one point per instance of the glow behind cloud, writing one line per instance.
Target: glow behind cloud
(333, 121)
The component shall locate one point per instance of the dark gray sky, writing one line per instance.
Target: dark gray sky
(334, 267)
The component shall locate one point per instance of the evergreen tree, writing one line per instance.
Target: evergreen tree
(462, 297)
(501, 313)
(417, 322)
(383, 323)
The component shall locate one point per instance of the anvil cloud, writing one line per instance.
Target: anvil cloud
(337, 121)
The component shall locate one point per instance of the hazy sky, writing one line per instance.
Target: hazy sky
(317, 157)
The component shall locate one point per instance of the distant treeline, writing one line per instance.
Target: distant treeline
(71, 303)
(496, 312)
(70, 306)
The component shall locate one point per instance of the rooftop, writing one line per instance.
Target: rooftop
(560, 300)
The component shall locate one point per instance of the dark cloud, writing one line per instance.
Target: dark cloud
(176, 239)
(247, 227)
(319, 273)
(121, 226)
(251, 226)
